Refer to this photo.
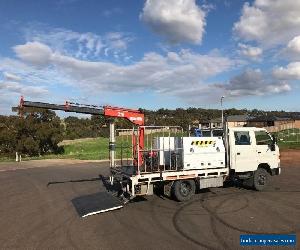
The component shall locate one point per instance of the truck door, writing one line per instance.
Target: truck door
(243, 153)
(263, 149)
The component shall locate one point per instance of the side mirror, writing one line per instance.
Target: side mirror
(273, 145)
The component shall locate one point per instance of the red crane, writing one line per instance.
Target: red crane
(136, 117)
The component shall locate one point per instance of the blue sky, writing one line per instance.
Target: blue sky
(151, 54)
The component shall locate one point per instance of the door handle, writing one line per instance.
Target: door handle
(238, 153)
(259, 152)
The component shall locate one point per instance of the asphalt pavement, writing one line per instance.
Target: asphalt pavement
(37, 212)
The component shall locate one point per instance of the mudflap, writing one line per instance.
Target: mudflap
(96, 203)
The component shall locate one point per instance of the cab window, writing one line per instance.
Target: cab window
(242, 138)
(262, 138)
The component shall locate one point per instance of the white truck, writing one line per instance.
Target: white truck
(183, 164)
(163, 156)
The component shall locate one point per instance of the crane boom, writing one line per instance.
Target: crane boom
(66, 107)
(134, 116)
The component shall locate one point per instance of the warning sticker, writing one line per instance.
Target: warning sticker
(204, 143)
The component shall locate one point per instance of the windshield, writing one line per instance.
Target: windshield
(263, 138)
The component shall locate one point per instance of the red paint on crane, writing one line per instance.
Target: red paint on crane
(134, 116)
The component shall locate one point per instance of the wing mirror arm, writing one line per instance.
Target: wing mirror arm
(273, 144)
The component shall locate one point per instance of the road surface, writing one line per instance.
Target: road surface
(37, 212)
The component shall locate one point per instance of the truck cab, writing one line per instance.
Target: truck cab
(253, 155)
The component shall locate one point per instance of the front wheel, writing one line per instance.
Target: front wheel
(260, 179)
(183, 190)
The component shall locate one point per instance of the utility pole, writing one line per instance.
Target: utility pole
(222, 97)
(112, 141)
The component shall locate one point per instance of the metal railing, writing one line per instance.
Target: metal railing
(161, 151)
(124, 146)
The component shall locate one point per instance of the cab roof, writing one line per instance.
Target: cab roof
(246, 129)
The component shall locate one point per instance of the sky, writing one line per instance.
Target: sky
(151, 54)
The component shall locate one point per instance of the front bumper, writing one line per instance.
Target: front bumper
(276, 171)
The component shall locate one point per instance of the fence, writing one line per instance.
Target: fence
(281, 127)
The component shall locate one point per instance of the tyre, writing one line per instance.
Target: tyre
(183, 190)
(260, 179)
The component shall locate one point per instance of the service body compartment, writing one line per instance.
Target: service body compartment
(191, 152)
(203, 152)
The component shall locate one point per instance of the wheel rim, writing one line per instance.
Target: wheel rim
(262, 178)
(185, 188)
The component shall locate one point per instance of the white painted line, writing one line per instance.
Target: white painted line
(14, 169)
(102, 211)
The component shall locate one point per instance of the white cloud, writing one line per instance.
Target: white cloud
(21, 89)
(31, 74)
(167, 74)
(269, 22)
(290, 72)
(154, 72)
(109, 12)
(10, 85)
(248, 51)
(7, 101)
(11, 77)
(34, 52)
(118, 42)
(253, 83)
(183, 74)
(248, 83)
(294, 45)
(175, 20)
(292, 50)
(80, 45)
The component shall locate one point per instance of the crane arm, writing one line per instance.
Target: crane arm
(134, 116)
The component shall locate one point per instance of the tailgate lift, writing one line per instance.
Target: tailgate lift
(100, 202)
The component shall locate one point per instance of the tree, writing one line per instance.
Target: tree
(8, 138)
(37, 133)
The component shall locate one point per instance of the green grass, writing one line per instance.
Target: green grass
(95, 149)
(289, 134)
(289, 139)
(92, 149)
(6, 159)
(289, 145)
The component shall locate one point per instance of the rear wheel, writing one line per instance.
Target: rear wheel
(183, 190)
(260, 179)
